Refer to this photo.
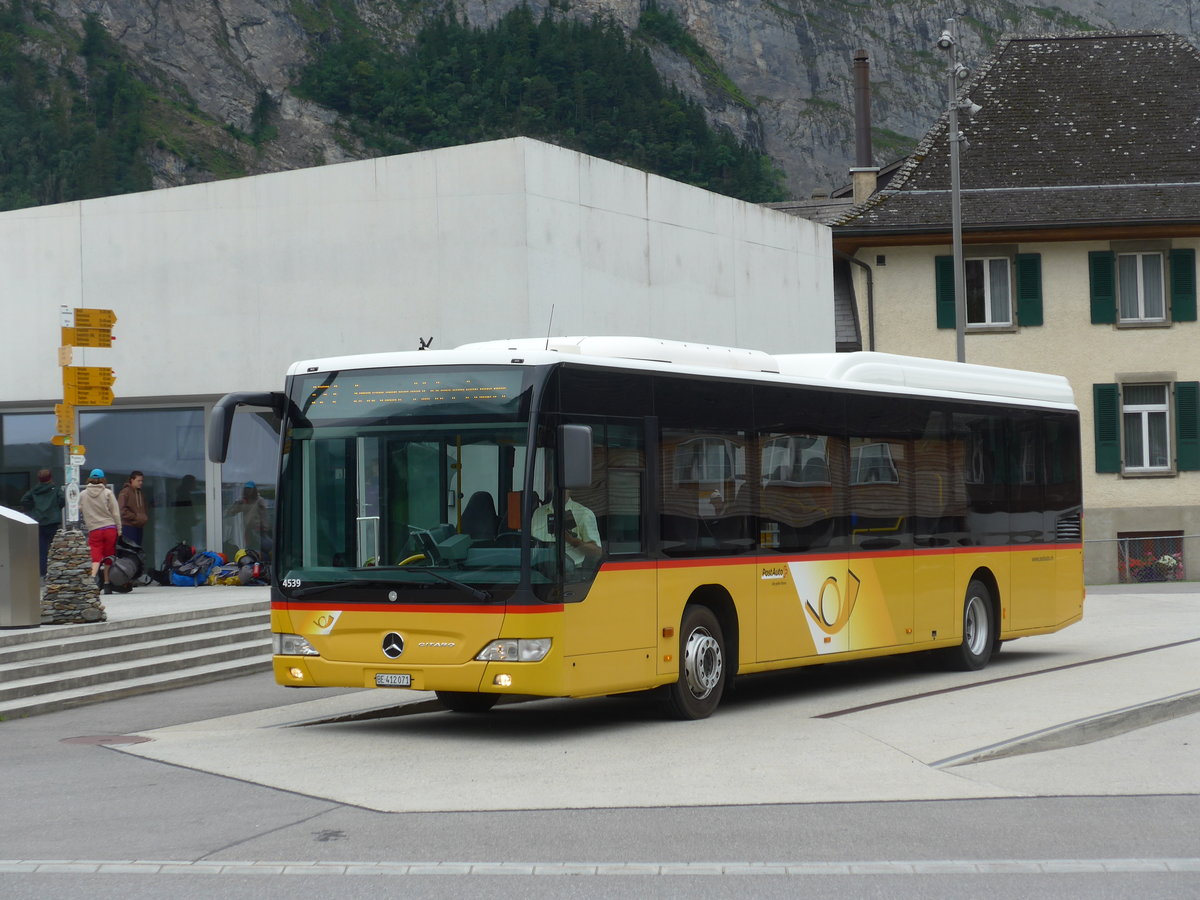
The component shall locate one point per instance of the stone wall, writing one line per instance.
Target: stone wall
(70, 594)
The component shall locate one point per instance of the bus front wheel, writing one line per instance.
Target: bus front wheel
(702, 666)
(466, 702)
(978, 631)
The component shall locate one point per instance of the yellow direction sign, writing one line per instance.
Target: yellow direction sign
(87, 396)
(64, 418)
(60, 440)
(88, 376)
(87, 337)
(95, 318)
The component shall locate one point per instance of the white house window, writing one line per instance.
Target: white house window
(1140, 287)
(797, 459)
(989, 295)
(704, 459)
(872, 464)
(1145, 414)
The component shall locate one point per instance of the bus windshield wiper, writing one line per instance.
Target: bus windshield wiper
(380, 583)
(474, 592)
(334, 585)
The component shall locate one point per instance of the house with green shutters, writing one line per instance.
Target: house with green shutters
(1080, 201)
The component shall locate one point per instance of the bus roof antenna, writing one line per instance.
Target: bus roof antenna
(425, 343)
(549, 325)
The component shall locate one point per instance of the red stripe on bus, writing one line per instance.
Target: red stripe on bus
(290, 606)
(642, 565)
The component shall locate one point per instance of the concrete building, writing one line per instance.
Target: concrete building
(1080, 194)
(218, 287)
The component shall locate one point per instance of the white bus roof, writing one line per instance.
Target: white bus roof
(864, 370)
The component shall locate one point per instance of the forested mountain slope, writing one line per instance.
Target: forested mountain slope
(747, 97)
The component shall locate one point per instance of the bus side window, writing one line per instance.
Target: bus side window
(704, 507)
(802, 490)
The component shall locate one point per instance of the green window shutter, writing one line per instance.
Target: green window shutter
(1102, 272)
(1106, 410)
(1183, 285)
(1187, 426)
(1029, 289)
(943, 270)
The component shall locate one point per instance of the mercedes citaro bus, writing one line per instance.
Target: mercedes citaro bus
(574, 517)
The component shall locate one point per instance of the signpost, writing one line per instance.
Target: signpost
(82, 386)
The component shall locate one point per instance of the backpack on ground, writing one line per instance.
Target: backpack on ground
(176, 556)
(195, 571)
(251, 568)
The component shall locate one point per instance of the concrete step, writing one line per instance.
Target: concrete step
(116, 690)
(57, 667)
(118, 656)
(58, 633)
(77, 645)
(170, 661)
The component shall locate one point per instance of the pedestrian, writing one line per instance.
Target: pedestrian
(44, 502)
(133, 508)
(101, 516)
(256, 519)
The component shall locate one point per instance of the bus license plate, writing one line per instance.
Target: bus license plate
(392, 679)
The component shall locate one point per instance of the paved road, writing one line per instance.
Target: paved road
(881, 777)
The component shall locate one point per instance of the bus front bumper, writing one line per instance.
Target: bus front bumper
(472, 677)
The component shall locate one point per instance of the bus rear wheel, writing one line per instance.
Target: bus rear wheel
(702, 666)
(466, 702)
(979, 631)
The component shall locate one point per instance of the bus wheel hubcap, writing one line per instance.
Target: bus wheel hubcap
(976, 626)
(702, 663)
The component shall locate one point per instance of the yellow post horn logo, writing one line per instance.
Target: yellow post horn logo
(834, 610)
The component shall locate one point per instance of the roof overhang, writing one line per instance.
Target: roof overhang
(850, 240)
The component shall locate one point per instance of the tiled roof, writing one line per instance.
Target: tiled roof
(820, 210)
(1080, 129)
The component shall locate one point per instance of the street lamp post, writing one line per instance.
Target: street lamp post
(955, 73)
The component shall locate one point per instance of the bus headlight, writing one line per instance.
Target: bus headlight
(292, 645)
(518, 650)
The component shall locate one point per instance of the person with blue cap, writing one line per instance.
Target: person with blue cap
(101, 518)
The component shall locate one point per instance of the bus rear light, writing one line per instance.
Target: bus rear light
(519, 650)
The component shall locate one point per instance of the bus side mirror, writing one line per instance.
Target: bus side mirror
(220, 422)
(575, 447)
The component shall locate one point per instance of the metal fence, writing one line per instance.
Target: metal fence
(1150, 558)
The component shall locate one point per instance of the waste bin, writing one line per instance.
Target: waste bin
(20, 585)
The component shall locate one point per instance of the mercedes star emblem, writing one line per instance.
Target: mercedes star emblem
(393, 645)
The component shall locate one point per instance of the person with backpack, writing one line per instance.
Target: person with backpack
(133, 508)
(101, 516)
(256, 519)
(44, 502)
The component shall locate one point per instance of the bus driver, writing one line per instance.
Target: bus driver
(580, 533)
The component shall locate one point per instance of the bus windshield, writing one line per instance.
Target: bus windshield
(411, 478)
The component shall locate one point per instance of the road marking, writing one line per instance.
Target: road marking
(858, 868)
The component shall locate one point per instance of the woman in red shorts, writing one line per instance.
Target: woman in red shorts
(101, 517)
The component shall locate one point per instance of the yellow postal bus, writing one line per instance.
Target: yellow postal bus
(573, 517)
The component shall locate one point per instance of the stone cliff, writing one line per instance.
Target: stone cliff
(789, 63)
